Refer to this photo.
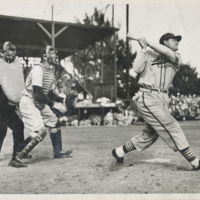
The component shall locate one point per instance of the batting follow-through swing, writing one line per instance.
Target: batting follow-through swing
(157, 68)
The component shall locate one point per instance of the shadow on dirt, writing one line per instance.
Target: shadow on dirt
(114, 166)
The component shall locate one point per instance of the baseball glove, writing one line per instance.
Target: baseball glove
(70, 101)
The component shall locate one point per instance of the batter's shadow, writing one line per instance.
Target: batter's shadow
(114, 166)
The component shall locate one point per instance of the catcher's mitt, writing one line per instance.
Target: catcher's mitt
(70, 101)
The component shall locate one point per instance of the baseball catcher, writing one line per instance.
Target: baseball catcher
(37, 103)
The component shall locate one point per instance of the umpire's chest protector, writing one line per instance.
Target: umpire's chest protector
(12, 80)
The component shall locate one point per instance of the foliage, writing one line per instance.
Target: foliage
(186, 81)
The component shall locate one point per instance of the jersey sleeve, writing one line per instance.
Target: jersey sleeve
(178, 58)
(37, 75)
(152, 54)
(176, 64)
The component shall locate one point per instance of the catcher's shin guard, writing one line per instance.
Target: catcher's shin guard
(20, 147)
(34, 141)
(57, 145)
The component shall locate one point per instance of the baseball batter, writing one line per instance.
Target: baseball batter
(157, 68)
(36, 103)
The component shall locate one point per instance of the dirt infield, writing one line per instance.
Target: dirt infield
(92, 170)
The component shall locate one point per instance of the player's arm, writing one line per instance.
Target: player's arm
(55, 97)
(163, 50)
(37, 79)
(141, 58)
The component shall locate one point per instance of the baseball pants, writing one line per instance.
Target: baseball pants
(153, 107)
(35, 119)
(9, 118)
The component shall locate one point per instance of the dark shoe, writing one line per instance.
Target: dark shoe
(63, 154)
(16, 163)
(118, 159)
(197, 168)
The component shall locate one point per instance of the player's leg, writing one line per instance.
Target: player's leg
(37, 136)
(3, 130)
(50, 120)
(32, 119)
(56, 139)
(16, 125)
(139, 142)
(166, 126)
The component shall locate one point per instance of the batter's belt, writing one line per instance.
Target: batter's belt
(146, 89)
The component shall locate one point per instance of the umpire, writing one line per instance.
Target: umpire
(8, 115)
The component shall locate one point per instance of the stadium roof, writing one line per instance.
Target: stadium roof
(32, 35)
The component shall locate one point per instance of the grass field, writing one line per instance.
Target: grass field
(92, 169)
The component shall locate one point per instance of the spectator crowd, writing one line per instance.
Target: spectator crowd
(181, 107)
(184, 107)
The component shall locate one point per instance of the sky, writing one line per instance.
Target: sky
(147, 18)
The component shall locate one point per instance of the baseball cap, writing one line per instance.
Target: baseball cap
(168, 36)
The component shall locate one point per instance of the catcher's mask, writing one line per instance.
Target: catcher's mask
(50, 54)
(9, 51)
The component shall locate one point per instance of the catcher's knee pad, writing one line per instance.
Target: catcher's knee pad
(40, 135)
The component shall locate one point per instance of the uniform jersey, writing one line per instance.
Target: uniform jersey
(158, 72)
(42, 77)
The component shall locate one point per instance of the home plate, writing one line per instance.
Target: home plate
(158, 160)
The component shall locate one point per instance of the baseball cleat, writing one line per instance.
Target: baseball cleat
(16, 163)
(197, 168)
(118, 159)
(63, 154)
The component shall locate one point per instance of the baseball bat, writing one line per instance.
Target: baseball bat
(132, 37)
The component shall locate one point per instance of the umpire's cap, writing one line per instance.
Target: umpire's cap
(168, 36)
(8, 46)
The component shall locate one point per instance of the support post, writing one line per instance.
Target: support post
(127, 52)
(52, 31)
(113, 12)
(115, 68)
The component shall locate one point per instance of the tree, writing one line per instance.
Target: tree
(186, 81)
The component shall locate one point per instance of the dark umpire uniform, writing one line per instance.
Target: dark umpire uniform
(9, 118)
(8, 115)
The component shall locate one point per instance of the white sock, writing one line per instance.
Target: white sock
(195, 163)
(120, 151)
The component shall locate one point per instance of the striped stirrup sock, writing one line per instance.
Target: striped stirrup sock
(188, 154)
(129, 146)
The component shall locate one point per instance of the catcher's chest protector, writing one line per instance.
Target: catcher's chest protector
(48, 79)
(12, 80)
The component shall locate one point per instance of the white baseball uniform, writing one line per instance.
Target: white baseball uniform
(156, 76)
(37, 115)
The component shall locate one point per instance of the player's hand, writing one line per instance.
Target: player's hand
(59, 106)
(142, 42)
